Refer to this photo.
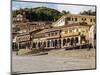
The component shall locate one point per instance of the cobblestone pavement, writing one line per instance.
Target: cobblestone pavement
(30, 63)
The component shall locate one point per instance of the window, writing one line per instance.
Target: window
(84, 19)
(52, 34)
(75, 19)
(70, 30)
(90, 20)
(66, 31)
(55, 33)
(48, 34)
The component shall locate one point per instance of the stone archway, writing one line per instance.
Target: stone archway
(44, 43)
(59, 43)
(76, 40)
(83, 39)
(68, 41)
(55, 43)
(72, 41)
(64, 42)
(39, 44)
(34, 45)
(28, 44)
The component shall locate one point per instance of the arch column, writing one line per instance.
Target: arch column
(46, 44)
(53, 43)
(68, 41)
(57, 43)
(79, 40)
(50, 44)
(62, 43)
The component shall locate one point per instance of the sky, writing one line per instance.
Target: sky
(74, 9)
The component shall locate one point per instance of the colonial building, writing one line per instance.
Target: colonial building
(21, 26)
(23, 40)
(68, 31)
(61, 37)
(38, 25)
(75, 19)
(48, 38)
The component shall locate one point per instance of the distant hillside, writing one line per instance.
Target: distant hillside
(39, 14)
(46, 14)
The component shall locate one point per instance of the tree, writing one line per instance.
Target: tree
(64, 12)
(39, 14)
(88, 12)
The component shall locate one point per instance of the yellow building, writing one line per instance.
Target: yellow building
(61, 37)
(74, 19)
(68, 31)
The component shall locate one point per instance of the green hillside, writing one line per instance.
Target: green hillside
(39, 14)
